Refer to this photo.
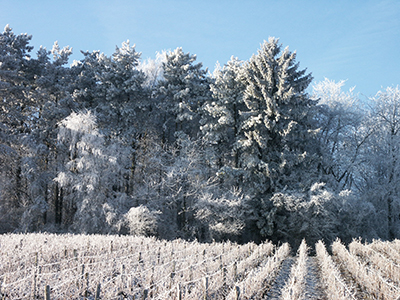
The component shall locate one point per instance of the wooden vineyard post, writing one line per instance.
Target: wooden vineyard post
(145, 294)
(87, 285)
(33, 293)
(3, 287)
(179, 291)
(237, 293)
(82, 275)
(205, 288)
(235, 272)
(152, 287)
(225, 272)
(158, 255)
(47, 292)
(140, 258)
(172, 274)
(98, 289)
(122, 277)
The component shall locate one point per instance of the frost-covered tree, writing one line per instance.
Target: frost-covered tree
(185, 178)
(16, 77)
(182, 92)
(123, 88)
(222, 215)
(278, 144)
(380, 171)
(221, 117)
(53, 88)
(291, 216)
(113, 87)
(92, 201)
(21, 108)
(17, 107)
(12, 203)
(343, 134)
(87, 89)
(317, 214)
(141, 221)
(153, 70)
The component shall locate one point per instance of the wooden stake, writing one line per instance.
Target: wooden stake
(237, 293)
(33, 293)
(145, 294)
(205, 288)
(47, 292)
(98, 289)
(179, 292)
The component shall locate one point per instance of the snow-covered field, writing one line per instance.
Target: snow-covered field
(47, 266)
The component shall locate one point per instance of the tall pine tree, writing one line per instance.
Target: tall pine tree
(185, 88)
(278, 145)
(221, 119)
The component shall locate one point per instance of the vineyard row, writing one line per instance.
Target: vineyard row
(45, 266)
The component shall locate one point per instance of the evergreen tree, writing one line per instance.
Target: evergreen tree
(18, 119)
(122, 85)
(278, 145)
(184, 89)
(52, 90)
(221, 117)
(16, 77)
(114, 88)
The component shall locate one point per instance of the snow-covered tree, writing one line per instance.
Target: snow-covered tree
(221, 116)
(23, 127)
(16, 76)
(291, 216)
(141, 221)
(380, 171)
(317, 214)
(182, 92)
(51, 102)
(91, 178)
(185, 178)
(343, 134)
(123, 86)
(113, 87)
(221, 216)
(278, 144)
(153, 70)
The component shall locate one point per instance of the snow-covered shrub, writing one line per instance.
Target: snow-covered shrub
(223, 216)
(33, 216)
(141, 221)
(319, 214)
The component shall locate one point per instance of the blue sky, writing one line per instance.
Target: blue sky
(354, 40)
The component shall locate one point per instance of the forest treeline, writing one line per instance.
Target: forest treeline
(253, 151)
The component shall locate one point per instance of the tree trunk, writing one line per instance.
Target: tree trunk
(58, 201)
